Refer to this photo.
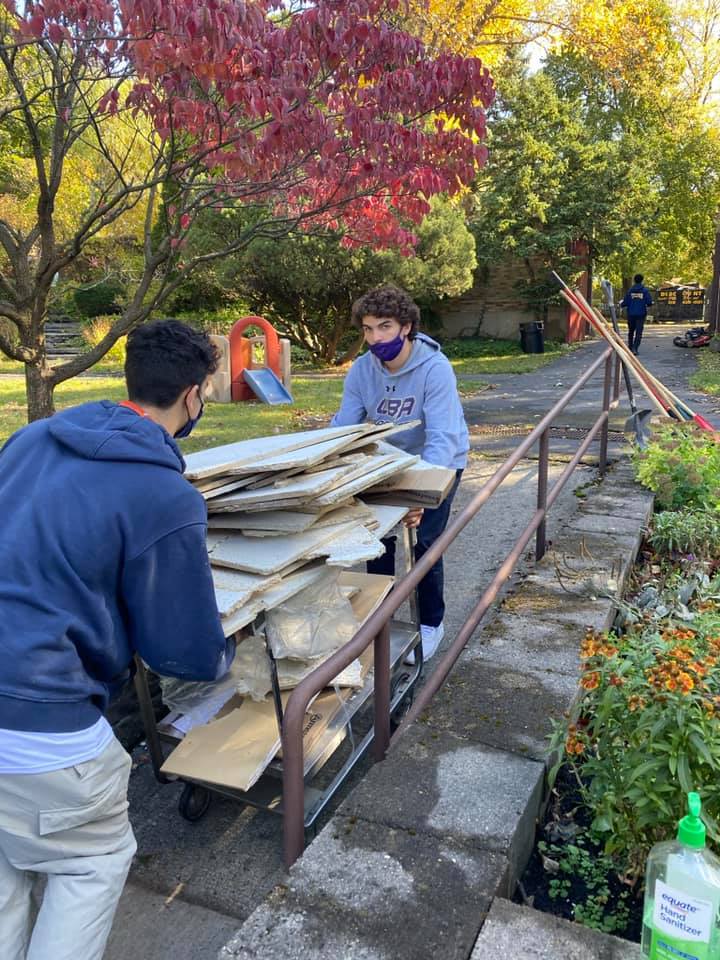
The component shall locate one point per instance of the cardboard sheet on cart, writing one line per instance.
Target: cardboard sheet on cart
(234, 750)
(274, 452)
(422, 485)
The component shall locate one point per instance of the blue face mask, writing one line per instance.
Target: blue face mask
(388, 350)
(188, 428)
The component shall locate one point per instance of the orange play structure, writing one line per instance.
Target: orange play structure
(241, 354)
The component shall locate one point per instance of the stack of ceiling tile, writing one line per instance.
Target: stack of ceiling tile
(282, 509)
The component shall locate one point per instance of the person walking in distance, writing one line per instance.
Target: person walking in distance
(104, 555)
(636, 301)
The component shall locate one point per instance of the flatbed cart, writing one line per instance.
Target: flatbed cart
(266, 793)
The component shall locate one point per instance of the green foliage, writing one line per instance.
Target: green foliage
(305, 284)
(645, 730)
(94, 331)
(707, 376)
(681, 465)
(549, 181)
(687, 531)
(98, 299)
(214, 321)
(470, 347)
(579, 866)
(205, 290)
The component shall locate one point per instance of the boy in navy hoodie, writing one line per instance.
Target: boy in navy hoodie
(636, 301)
(405, 376)
(104, 555)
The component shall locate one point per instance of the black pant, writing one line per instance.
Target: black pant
(635, 332)
(431, 603)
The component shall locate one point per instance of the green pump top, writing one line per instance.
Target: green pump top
(691, 829)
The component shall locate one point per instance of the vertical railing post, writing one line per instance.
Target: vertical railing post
(381, 668)
(293, 786)
(542, 486)
(602, 459)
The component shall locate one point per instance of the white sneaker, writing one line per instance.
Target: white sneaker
(431, 640)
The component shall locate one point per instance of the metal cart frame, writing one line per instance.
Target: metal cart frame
(266, 794)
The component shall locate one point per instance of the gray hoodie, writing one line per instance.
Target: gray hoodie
(424, 388)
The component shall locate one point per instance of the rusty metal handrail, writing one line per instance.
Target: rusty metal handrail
(377, 628)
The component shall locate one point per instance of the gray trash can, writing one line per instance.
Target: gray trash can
(532, 338)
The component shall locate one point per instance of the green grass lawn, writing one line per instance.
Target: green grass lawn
(500, 356)
(315, 401)
(105, 368)
(466, 356)
(707, 377)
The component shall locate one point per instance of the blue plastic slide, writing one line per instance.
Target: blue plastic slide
(266, 386)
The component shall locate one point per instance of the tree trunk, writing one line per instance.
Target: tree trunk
(39, 388)
(353, 351)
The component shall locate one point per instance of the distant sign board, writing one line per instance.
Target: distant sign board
(679, 303)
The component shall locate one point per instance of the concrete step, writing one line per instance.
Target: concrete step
(514, 931)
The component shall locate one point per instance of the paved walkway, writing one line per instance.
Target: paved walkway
(521, 400)
(193, 884)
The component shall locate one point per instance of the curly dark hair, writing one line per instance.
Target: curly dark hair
(165, 357)
(387, 301)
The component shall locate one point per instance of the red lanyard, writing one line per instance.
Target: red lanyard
(132, 406)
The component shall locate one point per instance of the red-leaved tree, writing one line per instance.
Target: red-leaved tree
(325, 114)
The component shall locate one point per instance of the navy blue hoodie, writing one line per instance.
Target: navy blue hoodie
(103, 553)
(637, 300)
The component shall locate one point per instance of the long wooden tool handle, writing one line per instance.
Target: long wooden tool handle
(606, 334)
(630, 357)
(578, 301)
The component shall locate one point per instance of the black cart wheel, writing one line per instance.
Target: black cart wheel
(194, 802)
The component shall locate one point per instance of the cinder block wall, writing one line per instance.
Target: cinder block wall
(493, 308)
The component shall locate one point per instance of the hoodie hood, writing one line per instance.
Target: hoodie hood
(108, 431)
(424, 348)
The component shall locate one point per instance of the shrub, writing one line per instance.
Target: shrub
(645, 731)
(687, 531)
(94, 332)
(211, 321)
(98, 299)
(681, 465)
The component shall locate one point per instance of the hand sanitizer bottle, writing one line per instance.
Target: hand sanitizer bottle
(682, 895)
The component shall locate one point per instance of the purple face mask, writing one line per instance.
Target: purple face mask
(388, 350)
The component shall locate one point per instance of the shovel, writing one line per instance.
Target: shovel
(638, 423)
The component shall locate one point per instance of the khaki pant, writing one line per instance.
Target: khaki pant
(71, 825)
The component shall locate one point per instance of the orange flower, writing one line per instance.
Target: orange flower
(680, 653)
(671, 684)
(573, 745)
(686, 682)
(635, 703)
(588, 648)
(616, 681)
(591, 681)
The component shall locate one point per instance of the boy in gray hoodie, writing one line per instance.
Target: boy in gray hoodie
(405, 376)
